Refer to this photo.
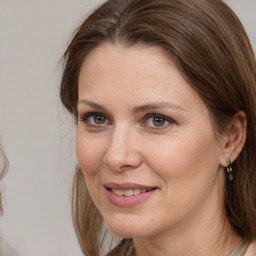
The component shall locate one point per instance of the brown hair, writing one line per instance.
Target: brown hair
(210, 47)
(3, 170)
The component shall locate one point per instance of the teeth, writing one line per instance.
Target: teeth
(128, 192)
(136, 192)
(119, 192)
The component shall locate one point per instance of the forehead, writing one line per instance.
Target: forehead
(107, 55)
(128, 67)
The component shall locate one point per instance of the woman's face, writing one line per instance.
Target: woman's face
(145, 143)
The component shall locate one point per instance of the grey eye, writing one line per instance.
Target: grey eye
(158, 121)
(98, 119)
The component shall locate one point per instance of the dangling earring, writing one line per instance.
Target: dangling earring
(229, 170)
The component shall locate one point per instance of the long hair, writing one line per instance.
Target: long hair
(210, 47)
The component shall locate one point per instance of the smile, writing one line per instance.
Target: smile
(128, 192)
(128, 195)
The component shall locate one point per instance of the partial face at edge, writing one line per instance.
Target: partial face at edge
(145, 143)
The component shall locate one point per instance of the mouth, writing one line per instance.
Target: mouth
(128, 194)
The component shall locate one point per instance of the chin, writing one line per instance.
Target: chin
(128, 227)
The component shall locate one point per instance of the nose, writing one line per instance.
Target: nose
(122, 152)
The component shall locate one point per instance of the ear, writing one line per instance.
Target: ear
(235, 138)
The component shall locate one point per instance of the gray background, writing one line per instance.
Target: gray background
(38, 135)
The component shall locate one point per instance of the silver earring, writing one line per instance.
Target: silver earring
(229, 170)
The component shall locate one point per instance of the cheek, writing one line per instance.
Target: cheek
(89, 154)
(188, 171)
(185, 158)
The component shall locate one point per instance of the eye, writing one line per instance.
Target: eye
(97, 119)
(157, 121)
(94, 119)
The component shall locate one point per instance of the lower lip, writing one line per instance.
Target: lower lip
(128, 201)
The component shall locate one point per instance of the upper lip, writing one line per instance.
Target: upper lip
(126, 186)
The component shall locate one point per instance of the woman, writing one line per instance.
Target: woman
(5, 248)
(4, 167)
(164, 94)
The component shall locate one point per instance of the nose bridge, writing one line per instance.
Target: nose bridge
(122, 149)
(120, 136)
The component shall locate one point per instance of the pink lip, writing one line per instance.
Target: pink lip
(128, 201)
(125, 186)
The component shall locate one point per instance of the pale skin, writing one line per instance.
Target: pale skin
(141, 123)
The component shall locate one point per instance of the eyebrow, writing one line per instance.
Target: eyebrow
(91, 104)
(155, 106)
(138, 109)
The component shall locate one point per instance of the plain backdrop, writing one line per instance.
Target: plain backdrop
(38, 135)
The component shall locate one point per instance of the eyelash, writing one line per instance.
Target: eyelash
(85, 118)
(156, 115)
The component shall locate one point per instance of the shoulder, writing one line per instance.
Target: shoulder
(251, 251)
